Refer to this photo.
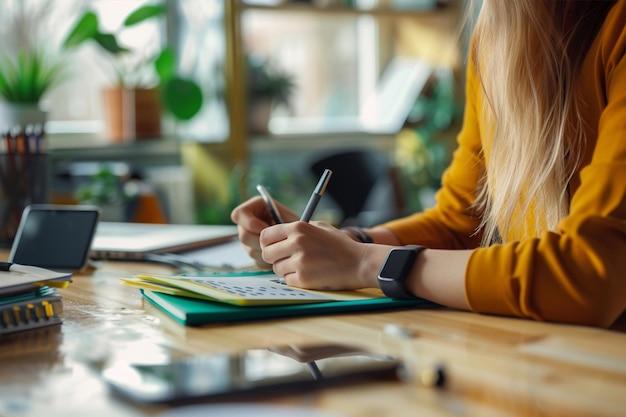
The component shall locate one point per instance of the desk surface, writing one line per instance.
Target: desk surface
(496, 366)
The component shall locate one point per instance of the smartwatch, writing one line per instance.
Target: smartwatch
(395, 271)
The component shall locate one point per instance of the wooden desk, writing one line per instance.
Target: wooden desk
(496, 366)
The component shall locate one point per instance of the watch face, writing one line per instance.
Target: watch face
(398, 263)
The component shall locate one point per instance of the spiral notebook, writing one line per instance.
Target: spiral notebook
(40, 308)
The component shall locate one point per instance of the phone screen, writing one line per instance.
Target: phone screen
(255, 371)
(55, 237)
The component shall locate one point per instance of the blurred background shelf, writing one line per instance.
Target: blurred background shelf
(339, 55)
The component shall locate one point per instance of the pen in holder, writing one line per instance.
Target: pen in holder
(23, 179)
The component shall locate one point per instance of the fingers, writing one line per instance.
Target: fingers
(278, 242)
(251, 215)
(305, 254)
(255, 209)
(251, 218)
(269, 244)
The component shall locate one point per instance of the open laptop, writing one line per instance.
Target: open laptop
(133, 241)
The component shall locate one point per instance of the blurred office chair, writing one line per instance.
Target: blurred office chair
(364, 186)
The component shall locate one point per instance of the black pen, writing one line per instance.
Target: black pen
(10, 266)
(28, 269)
(269, 202)
(318, 192)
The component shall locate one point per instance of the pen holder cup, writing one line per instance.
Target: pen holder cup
(23, 181)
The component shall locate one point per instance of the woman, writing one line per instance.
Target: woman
(531, 217)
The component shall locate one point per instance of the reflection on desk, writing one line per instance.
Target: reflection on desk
(496, 366)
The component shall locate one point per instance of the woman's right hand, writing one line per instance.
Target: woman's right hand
(251, 217)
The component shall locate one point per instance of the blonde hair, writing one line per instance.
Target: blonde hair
(527, 70)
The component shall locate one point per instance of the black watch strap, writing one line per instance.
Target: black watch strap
(359, 233)
(396, 269)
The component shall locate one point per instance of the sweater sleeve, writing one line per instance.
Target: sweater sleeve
(576, 273)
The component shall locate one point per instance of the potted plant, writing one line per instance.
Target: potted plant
(268, 87)
(105, 190)
(27, 70)
(134, 105)
(23, 82)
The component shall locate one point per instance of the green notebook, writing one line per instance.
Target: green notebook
(194, 312)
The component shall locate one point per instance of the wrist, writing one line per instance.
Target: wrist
(373, 256)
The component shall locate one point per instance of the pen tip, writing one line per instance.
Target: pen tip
(323, 183)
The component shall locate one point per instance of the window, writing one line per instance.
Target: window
(349, 72)
(75, 106)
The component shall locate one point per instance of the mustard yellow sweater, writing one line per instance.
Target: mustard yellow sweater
(576, 274)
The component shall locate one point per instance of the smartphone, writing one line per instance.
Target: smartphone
(250, 372)
(56, 237)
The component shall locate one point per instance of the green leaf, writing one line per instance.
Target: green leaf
(10, 82)
(109, 43)
(28, 67)
(29, 77)
(6, 84)
(47, 77)
(86, 28)
(165, 65)
(183, 98)
(144, 13)
(31, 70)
